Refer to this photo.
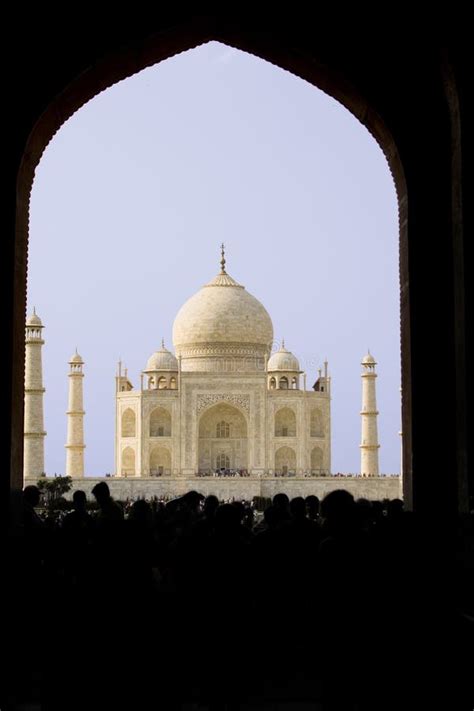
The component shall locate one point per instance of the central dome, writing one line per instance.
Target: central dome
(222, 327)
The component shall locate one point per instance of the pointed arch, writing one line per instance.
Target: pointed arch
(316, 459)
(222, 433)
(160, 423)
(160, 461)
(285, 460)
(316, 423)
(129, 423)
(128, 462)
(285, 423)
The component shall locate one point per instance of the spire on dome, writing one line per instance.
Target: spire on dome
(223, 271)
(162, 342)
(223, 279)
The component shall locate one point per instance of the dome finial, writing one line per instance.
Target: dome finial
(222, 259)
(162, 342)
(282, 342)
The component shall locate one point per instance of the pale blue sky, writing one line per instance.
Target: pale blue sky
(136, 192)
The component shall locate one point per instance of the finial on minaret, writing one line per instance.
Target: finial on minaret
(223, 259)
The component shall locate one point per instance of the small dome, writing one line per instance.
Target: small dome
(162, 360)
(283, 360)
(369, 359)
(76, 358)
(34, 320)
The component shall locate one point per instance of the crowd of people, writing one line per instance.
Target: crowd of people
(195, 599)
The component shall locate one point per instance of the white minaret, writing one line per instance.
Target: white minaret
(369, 447)
(34, 434)
(75, 419)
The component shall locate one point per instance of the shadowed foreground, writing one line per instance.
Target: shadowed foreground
(196, 604)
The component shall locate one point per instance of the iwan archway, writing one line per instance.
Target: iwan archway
(425, 204)
(223, 440)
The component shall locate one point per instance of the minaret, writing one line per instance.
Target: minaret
(34, 434)
(75, 419)
(369, 448)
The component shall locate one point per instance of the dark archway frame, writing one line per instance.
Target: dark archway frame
(421, 142)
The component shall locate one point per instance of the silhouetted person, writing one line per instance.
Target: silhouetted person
(31, 499)
(109, 510)
(281, 504)
(312, 507)
(78, 520)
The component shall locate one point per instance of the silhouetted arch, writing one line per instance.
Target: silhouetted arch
(434, 195)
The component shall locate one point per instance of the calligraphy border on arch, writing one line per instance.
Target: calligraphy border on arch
(242, 401)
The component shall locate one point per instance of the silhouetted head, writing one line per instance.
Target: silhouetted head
(101, 492)
(281, 501)
(192, 500)
(141, 512)
(395, 508)
(31, 495)
(211, 504)
(240, 508)
(338, 507)
(298, 507)
(79, 500)
(312, 506)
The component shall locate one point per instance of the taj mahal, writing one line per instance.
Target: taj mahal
(222, 405)
(222, 402)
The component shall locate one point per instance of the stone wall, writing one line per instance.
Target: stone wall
(244, 488)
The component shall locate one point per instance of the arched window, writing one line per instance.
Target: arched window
(284, 383)
(316, 424)
(222, 461)
(316, 460)
(128, 462)
(162, 383)
(285, 460)
(151, 383)
(160, 423)
(173, 383)
(285, 423)
(128, 423)
(160, 461)
(223, 430)
(294, 383)
(273, 383)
